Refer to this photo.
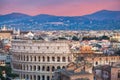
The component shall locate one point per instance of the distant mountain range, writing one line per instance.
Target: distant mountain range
(101, 20)
(105, 15)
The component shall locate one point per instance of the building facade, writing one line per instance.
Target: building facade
(103, 60)
(107, 72)
(4, 59)
(75, 71)
(37, 60)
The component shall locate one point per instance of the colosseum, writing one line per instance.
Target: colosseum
(37, 60)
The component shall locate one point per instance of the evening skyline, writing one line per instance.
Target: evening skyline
(58, 7)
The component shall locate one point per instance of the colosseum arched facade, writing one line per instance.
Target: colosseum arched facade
(37, 60)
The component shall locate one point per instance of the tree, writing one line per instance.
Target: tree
(104, 37)
(62, 38)
(75, 38)
(118, 52)
(8, 71)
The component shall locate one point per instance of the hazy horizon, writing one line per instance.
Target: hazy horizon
(57, 7)
(53, 14)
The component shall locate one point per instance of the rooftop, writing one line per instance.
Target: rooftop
(72, 72)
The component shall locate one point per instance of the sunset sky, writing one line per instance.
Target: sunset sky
(57, 7)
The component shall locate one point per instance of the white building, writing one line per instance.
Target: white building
(37, 60)
(4, 59)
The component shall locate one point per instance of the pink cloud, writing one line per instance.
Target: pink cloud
(70, 8)
(73, 9)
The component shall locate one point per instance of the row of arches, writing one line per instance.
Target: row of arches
(96, 63)
(36, 77)
(107, 58)
(36, 67)
(37, 47)
(41, 58)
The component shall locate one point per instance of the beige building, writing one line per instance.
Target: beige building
(75, 71)
(107, 72)
(115, 71)
(96, 58)
(37, 60)
(5, 35)
(103, 59)
(115, 37)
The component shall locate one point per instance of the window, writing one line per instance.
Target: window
(48, 77)
(34, 77)
(38, 47)
(34, 68)
(96, 63)
(31, 68)
(27, 67)
(48, 59)
(38, 77)
(43, 68)
(63, 59)
(30, 58)
(43, 77)
(58, 67)
(58, 47)
(63, 67)
(30, 47)
(119, 74)
(53, 58)
(21, 57)
(52, 76)
(53, 68)
(18, 57)
(31, 77)
(27, 58)
(27, 77)
(47, 47)
(24, 76)
(18, 47)
(23, 67)
(23, 47)
(58, 59)
(68, 59)
(43, 58)
(48, 68)
(39, 58)
(35, 58)
(38, 68)
(24, 57)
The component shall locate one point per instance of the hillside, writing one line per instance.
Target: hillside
(104, 19)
